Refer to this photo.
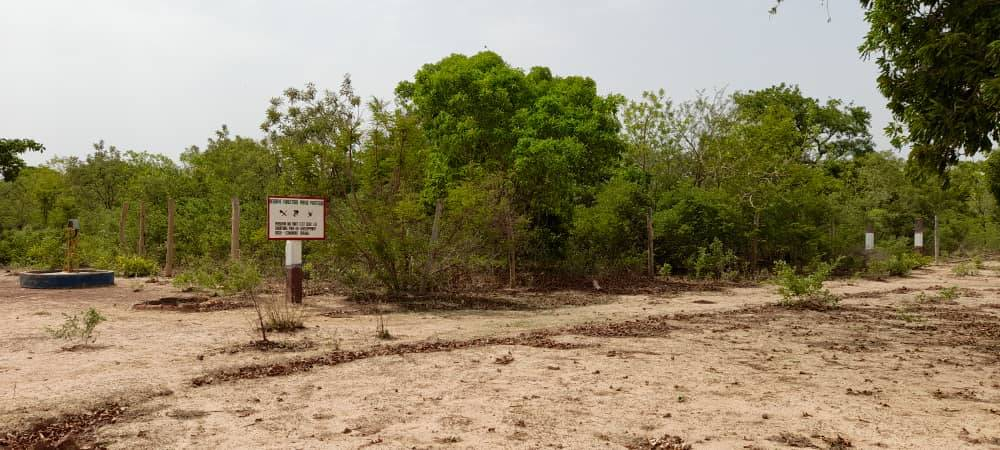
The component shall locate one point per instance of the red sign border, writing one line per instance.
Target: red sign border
(326, 211)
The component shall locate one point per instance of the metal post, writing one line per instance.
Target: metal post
(293, 270)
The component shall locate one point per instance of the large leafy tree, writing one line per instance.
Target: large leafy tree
(547, 141)
(939, 63)
(823, 130)
(10, 156)
(940, 70)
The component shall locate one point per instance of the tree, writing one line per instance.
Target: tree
(550, 140)
(650, 148)
(10, 160)
(940, 69)
(825, 131)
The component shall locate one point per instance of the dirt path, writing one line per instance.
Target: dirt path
(714, 369)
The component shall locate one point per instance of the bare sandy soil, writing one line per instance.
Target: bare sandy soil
(897, 366)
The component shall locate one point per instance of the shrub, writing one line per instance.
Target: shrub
(281, 315)
(135, 266)
(666, 269)
(76, 328)
(715, 261)
(805, 291)
(949, 293)
(898, 265)
(966, 269)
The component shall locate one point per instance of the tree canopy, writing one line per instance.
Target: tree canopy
(10, 156)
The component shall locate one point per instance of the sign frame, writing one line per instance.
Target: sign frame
(326, 210)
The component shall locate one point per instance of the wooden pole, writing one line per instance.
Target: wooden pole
(293, 271)
(168, 268)
(649, 244)
(936, 248)
(121, 226)
(141, 245)
(234, 236)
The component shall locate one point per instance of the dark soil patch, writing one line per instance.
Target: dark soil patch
(793, 440)
(665, 442)
(630, 285)
(66, 431)
(373, 303)
(190, 304)
(538, 339)
(269, 346)
(878, 294)
(704, 302)
(645, 327)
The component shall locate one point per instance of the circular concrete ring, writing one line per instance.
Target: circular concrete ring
(67, 280)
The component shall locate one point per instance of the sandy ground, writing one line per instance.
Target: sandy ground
(895, 367)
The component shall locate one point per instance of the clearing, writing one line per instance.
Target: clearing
(899, 365)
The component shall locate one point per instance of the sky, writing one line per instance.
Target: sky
(161, 76)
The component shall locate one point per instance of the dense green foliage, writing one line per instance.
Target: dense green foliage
(480, 172)
(940, 70)
(939, 64)
(10, 159)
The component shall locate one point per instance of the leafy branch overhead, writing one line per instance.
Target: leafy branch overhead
(10, 156)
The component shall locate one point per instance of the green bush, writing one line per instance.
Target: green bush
(234, 277)
(135, 266)
(805, 291)
(966, 269)
(715, 261)
(75, 327)
(897, 265)
(666, 269)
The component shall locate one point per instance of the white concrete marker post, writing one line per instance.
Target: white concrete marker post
(293, 220)
(869, 238)
(918, 236)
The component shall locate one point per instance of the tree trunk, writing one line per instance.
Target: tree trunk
(754, 241)
(234, 230)
(140, 246)
(511, 251)
(168, 268)
(435, 232)
(649, 244)
(121, 226)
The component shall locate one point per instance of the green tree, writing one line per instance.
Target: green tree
(940, 70)
(551, 139)
(10, 156)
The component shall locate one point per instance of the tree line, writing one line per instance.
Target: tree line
(478, 171)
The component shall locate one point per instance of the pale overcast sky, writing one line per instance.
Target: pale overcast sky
(163, 75)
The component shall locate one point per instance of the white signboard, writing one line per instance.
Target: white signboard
(296, 218)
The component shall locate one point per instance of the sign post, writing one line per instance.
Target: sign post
(295, 219)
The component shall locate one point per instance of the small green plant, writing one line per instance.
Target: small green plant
(897, 265)
(965, 269)
(949, 293)
(908, 314)
(281, 315)
(714, 261)
(75, 327)
(805, 291)
(381, 331)
(135, 266)
(666, 269)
